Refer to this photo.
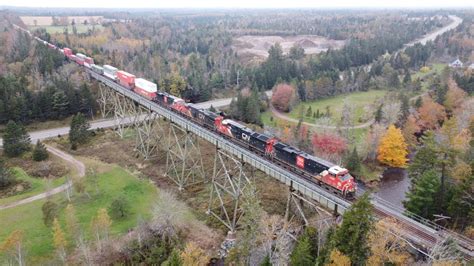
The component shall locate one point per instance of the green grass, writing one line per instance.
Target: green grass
(60, 29)
(38, 185)
(357, 100)
(434, 69)
(38, 238)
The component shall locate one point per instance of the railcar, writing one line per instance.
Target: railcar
(307, 166)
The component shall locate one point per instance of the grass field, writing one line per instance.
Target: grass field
(28, 218)
(60, 29)
(358, 100)
(38, 185)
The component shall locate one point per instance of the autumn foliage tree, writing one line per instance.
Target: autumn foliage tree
(59, 240)
(409, 130)
(12, 248)
(194, 255)
(329, 146)
(337, 258)
(284, 96)
(392, 149)
(430, 114)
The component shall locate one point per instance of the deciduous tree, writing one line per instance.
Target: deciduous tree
(409, 130)
(72, 223)
(12, 247)
(386, 245)
(193, 255)
(392, 149)
(430, 114)
(337, 258)
(328, 145)
(59, 240)
(284, 97)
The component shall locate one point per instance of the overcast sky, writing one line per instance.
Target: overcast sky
(240, 3)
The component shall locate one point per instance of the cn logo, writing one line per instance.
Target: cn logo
(245, 137)
(201, 116)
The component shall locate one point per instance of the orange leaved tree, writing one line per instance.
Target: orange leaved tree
(392, 149)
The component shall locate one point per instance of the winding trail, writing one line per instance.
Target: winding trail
(75, 164)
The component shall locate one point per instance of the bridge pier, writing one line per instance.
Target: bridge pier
(149, 133)
(229, 180)
(300, 206)
(183, 159)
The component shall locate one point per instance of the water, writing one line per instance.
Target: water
(393, 186)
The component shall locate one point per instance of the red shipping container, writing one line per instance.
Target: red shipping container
(67, 52)
(126, 79)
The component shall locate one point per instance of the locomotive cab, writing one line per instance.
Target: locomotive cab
(342, 179)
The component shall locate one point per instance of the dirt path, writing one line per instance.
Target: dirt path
(76, 165)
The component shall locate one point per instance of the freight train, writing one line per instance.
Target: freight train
(324, 173)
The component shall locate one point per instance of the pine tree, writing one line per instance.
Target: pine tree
(407, 78)
(16, 140)
(301, 253)
(392, 149)
(39, 152)
(59, 240)
(212, 109)
(60, 104)
(253, 109)
(79, 132)
(404, 109)
(266, 261)
(353, 162)
(119, 208)
(424, 160)
(6, 178)
(421, 197)
(174, 259)
(309, 111)
(419, 102)
(351, 238)
(50, 212)
(378, 114)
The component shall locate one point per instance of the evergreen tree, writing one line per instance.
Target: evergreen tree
(79, 132)
(266, 261)
(378, 114)
(424, 160)
(301, 254)
(407, 78)
(119, 208)
(212, 109)
(351, 238)
(253, 109)
(39, 152)
(16, 140)
(6, 178)
(50, 212)
(309, 112)
(60, 104)
(394, 81)
(404, 108)
(418, 102)
(353, 162)
(174, 259)
(421, 197)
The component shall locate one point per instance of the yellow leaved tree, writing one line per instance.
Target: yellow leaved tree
(194, 255)
(392, 149)
(59, 240)
(337, 258)
(12, 248)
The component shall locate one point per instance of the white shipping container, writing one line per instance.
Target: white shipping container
(145, 85)
(110, 71)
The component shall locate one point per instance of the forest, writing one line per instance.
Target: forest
(192, 56)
